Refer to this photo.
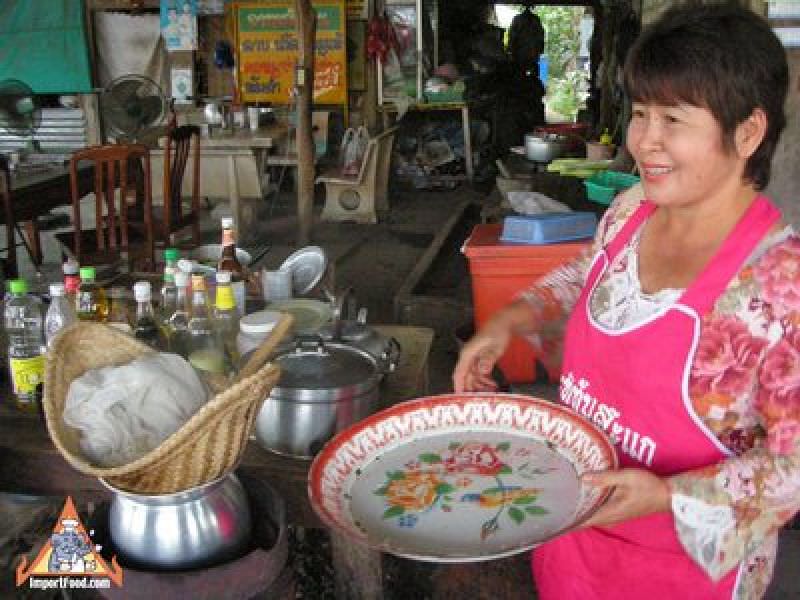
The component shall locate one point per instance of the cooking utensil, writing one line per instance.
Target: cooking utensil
(460, 477)
(199, 527)
(543, 147)
(324, 387)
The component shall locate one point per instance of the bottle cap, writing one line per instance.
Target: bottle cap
(198, 282)
(141, 291)
(18, 286)
(88, 273)
(70, 267)
(171, 254)
(57, 289)
(181, 279)
(223, 276)
(227, 222)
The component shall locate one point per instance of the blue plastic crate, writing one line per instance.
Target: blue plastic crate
(548, 228)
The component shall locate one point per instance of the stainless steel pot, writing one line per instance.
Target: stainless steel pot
(203, 526)
(324, 387)
(544, 147)
(385, 350)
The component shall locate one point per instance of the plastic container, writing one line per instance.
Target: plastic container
(548, 228)
(254, 328)
(602, 187)
(24, 319)
(59, 314)
(499, 271)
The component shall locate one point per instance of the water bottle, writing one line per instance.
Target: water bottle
(24, 321)
(169, 291)
(59, 315)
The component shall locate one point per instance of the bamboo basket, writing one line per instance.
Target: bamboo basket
(206, 447)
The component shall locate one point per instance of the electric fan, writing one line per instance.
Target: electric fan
(130, 105)
(20, 113)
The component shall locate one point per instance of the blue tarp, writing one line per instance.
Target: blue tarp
(43, 43)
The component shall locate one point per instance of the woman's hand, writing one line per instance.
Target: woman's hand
(478, 357)
(635, 493)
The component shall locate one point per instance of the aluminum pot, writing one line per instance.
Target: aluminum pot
(543, 147)
(385, 350)
(199, 527)
(324, 387)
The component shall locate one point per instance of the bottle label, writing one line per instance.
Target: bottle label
(227, 237)
(27, 374)
(71, 284)
(225, 299)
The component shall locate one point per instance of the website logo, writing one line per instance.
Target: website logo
(69, 560)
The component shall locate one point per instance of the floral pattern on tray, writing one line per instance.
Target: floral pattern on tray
(468, 472)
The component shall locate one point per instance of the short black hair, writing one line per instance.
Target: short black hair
(722, 57)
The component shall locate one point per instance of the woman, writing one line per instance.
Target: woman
(685, 322)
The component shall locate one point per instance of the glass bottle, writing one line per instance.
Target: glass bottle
(24, 329)
(90, 303)
(169, 292)
(178, 322)
(226, 317)
(227, 259)
(146, 327)
(59, 314)
(206, 352)
(118, 315)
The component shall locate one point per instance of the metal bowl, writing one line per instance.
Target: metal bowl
(199, 527)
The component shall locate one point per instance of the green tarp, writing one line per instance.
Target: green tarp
(43, 43)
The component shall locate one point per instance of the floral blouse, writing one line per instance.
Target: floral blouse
(744, 385)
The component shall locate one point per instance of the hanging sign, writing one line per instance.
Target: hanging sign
(268, 46)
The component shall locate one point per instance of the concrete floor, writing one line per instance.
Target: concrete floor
(377, 261)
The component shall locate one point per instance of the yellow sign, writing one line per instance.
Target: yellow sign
(69, 560)
(268, 44)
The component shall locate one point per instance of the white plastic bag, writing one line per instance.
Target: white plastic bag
(354, 146)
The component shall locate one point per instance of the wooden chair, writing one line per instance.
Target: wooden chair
(360, 197)
(172, 217)
(8, 217)
(122, 188)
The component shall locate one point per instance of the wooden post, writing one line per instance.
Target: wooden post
(306, 28)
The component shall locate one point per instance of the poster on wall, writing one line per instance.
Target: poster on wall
(179, 24)
(268, 45)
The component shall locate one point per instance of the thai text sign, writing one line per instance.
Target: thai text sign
(268, 46)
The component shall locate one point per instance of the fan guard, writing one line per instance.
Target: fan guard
(132, 104)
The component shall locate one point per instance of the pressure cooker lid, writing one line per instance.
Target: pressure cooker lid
(325, 366)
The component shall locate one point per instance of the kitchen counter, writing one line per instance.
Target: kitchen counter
(32, 465)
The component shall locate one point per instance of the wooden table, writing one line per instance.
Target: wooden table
(35, 193)
(30, 464)
(233, 165)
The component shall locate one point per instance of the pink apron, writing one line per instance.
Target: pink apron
(634, 383)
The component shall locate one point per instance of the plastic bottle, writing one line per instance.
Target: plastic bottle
(118, 315)
(24, 328)
(72, 280)
(227, 259)
(226, 317)
(206, 352)
(90, 303)
(146, 327)
(178, 322)
(169, 292)
(60, 313)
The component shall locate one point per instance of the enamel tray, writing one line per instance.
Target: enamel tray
(460, 477)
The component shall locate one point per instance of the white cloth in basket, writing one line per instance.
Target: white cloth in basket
(124, 412)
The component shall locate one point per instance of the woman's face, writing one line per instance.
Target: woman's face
(680, 154)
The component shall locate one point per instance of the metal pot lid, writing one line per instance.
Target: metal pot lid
(307, 266)
(323, 366)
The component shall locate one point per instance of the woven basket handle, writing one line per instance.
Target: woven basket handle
(261, 354)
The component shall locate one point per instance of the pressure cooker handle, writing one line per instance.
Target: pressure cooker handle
(303, 341)
(391, 355)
